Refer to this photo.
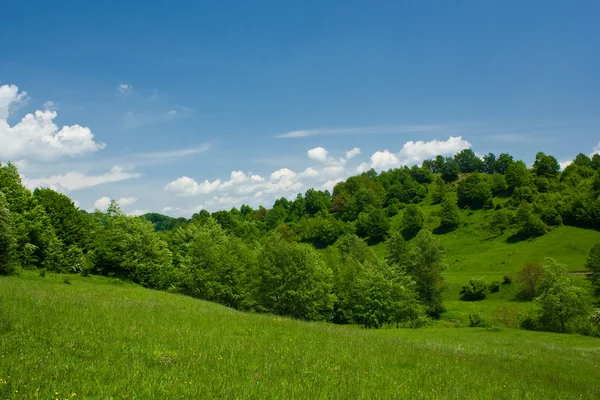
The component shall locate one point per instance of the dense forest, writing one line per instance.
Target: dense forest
(310, 258)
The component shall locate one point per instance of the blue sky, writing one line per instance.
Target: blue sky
(215, 104)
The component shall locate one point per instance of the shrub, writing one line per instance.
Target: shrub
(474, 290)
(67, 281)
(508, 315)
(494, 286)
(507, 280)
(478, 320)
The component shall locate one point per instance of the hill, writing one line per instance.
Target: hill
(100, 338)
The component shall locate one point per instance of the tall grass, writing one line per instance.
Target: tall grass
(102, 339)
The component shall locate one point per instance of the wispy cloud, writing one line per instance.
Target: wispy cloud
(174, 153)
(134, 120)
(364, 130)
(125, 89)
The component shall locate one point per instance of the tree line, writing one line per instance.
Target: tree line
(308, 258)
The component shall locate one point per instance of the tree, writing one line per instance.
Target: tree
(530, 224)
(474, 290)
(517, 175)
(440, 188)
(489, 162)
(293, 280)
(374, 224)
(412, 221)
(497, 183)
(449, 214)
(564, 307)
(468, 161)
(596, 162)
(582, 160)
(593, 265)
(546, 165)
(397, 251)
(6, 240)
(450, 170)
(502, 163)
(500, 221)
(474, 192)
(425, 264)
(316, 201)
(530, 275)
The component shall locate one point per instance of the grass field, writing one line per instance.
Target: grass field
(102, 339)
(473, 251)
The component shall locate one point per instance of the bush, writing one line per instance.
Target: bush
(494, 286)
(508, 315)
(475, 290)
(478, 320)
(507, 280)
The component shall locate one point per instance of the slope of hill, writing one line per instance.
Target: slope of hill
(99, 338)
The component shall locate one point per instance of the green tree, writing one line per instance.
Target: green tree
(502, 163)
(475, 290)
(412, 221)
(316, 201)
(500, 221)
(530, 276)
(450, 170)
(545, 165)
(517, 175)
(474, 192)
(293, 280)
(593, 265)
(530, 224)
(564, 306)
(440, 188)
(468, 161)
(425, 264)
(6, 240)
(595, 162)
(397, 251)
(449, 214)
(127, 247)
(373, 224)
(489, 163)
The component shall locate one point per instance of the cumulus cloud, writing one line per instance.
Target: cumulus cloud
(137, 213)
(10, 100)
(414, 153)
(187, 186)
(124, 88)
(318, 154)
(78, 180)
(37, 136)
(182, 212)
(350, 154)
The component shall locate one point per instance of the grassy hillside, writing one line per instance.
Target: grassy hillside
(472, 250)
(102, 339)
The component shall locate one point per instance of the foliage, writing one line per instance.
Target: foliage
(397, 251)
(412, 221)
(449, 215)
(494, 286)
(450, 170)
(425, 264)
(564, 307)
(479, 320)
(500, 221)
(293, 280)
(530, 276)
(474, 192)
(468, 161)
(530, 224)
(517, 175)
(6, 240)
(475, 290)
(373, 224)
(593, 266)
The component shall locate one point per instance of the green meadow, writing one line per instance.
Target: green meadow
(68, 336)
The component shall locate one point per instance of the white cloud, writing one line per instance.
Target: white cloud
(564, 164)
(187, 186)
(318, 154)
(384, 160)
(363, 130)
(78, 180)
(182, 212)
(174, 153)
(10, 100)
(257, 178)
(596, 150)
(309, 173)
(350, 154)
(415, 152)
(36, 135)
(138, 213)
(124, 88)
(125, 201)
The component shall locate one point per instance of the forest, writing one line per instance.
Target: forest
(312, 258)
